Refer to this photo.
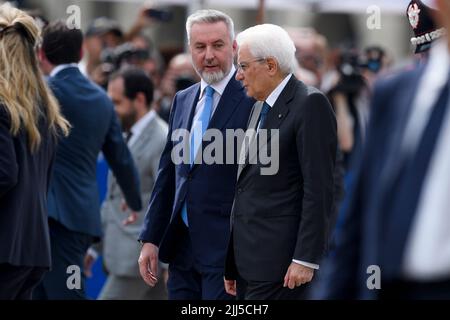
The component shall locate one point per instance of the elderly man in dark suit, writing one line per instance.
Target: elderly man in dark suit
(280, 217)
(73, 200)
(189, 211)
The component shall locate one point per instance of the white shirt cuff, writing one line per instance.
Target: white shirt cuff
(307, 264)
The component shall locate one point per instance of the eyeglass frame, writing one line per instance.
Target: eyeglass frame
(242, 67)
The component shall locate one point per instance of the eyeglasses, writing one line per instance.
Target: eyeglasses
(243, 66)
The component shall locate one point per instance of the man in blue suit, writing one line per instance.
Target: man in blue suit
(73, 202)
(187, 221)
(394, 241)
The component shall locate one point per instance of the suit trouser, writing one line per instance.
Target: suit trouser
(132, 288)
(66, 280)
(264, 290)
(188, 280)
(18, 282)
(413, 290)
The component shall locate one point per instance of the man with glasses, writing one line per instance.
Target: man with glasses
(280, 221)
(188, 219)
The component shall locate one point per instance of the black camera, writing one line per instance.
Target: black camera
(373, 59)
(183, 82)
(349, 68)
(125, 53)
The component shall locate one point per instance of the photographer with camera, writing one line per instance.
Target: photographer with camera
(107, 45)
(350, 94)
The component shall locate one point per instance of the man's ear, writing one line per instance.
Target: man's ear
(41, 54)
(235, 47)
(141, 100)
(272, 65)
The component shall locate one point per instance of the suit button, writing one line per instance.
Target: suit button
(240, 190)
(189, 177)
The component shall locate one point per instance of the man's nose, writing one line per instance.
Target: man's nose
(239, 75)
(209, 53)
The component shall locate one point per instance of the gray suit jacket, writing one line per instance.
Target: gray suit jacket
(120, 246)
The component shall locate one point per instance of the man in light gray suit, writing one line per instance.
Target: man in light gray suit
(132, 93)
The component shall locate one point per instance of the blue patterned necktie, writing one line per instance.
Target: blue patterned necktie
(200, 124)
(263, 115)
(197, 131)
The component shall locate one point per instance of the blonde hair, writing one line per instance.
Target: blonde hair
(23, 90)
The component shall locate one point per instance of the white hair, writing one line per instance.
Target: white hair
(209, 16)
(269, 40)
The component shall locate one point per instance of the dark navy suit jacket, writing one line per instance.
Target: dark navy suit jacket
(24, 178)
(360, 243)
(73, 196)
(208, 189)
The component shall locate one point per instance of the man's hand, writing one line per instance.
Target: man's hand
(132, 217)
(230, 286)
(297, 275)
(89, 261)
(148, 263)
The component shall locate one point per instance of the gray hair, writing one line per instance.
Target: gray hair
(269, 40)
(209, 16)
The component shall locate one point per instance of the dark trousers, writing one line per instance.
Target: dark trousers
(190, 281)
(263, 290)
(68, 250)
(18, 282)
(412, 290)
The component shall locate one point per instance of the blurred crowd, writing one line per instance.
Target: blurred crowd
(149, 81)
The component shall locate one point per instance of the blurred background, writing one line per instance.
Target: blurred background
(342, 47)
(343, 21)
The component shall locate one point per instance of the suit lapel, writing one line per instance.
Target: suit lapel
(188, 106)
(281, 107)
(250, 133)
(275, 117)
(228, 102)
(141, 143)
(136, 150)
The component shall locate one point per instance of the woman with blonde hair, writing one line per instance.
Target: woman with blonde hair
(30, 123)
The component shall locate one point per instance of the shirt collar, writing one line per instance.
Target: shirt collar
(140, 125)
(61, 67)
(272, 98)
(220, 86)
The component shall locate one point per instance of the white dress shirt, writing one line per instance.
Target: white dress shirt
(218, 87)
(61, 67)
(427, 251)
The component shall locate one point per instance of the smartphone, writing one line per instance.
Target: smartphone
(158, 14)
